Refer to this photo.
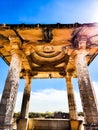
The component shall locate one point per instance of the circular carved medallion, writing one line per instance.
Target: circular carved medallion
(48, 49)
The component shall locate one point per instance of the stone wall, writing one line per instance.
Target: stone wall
(48, 124)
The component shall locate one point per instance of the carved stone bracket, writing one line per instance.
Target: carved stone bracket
(46, 35)
(15, 42)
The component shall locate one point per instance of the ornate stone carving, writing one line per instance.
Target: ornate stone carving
(14, 42)
(48, 49)
(47, 34)
(86, 35)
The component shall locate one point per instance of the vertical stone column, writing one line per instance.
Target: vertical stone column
(71, 98)
(22, 123)
(26, 98)
(10, 91)
(74, 122)
(88, 98)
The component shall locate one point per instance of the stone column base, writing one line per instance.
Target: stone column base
(90, 127)
(76, 124)
(22, 124)
(6, 127)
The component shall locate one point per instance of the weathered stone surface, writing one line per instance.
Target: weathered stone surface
(6, 127)
(10, 91)
(71, 98)
(22, 124)
(47, 47)
(26, 99)
(90, 127)
(86, 89)
(47, 54)
(49, 124)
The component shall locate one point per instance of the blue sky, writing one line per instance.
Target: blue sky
(51, 11)
(48, 95)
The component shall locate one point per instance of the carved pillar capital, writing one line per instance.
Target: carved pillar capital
(85, 37)
(28, 48)
(68, 78)
(28, 80)
(79, 52)
(82, 44)
(18, 52)
(15, 42)
(68, 75)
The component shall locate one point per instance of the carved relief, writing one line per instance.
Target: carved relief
(48, 49)
(84, 35)
(47, 34)
(78, 39)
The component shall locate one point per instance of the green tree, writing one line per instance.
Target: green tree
(16, 115)
(80, 114)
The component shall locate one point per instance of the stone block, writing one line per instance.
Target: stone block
(22, 124)
(76, 124)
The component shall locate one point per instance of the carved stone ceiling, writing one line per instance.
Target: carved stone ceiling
(47, 49)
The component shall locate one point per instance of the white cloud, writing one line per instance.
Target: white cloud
(50, 100)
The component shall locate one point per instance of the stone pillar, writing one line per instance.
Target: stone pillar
(26, 99)
(23, 121)
(75, 124)
(87, 94)
(71, 98)
(10, 91)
